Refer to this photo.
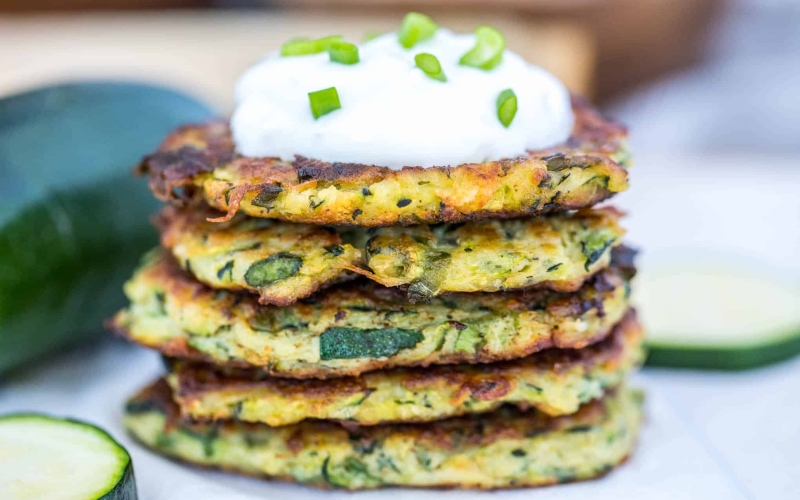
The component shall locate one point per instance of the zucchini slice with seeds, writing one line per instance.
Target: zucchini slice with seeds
(46, 457)
(718, 318)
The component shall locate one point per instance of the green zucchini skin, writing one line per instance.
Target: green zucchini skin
(62, 262)
(73, 220)
(125, 487)
(727, 359)
(275, 268)
(353, 343)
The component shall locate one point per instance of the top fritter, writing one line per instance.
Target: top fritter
(418, 127)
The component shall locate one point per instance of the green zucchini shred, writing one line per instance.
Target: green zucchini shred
(594, 247)
(266, 196)
(273, 269)
(226, 269)
(352, 343)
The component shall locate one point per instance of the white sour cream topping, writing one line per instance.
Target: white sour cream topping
(392, 114)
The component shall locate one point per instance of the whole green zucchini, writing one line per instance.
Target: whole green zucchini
(73, 220)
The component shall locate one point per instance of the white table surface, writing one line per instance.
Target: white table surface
(707, 435)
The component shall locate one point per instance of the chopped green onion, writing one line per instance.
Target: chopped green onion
(506, 107)
(430, 66)
(299, 47)
(324, 101)
(306, 46)
(327, 41)
(416, 27)
(488, 50)
(343, 53)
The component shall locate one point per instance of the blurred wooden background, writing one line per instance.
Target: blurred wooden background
(203, 52)
(602, 48)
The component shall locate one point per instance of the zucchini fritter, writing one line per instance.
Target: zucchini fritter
(283, 261)
(555, 381)
(359, 327)
(504, 449)
(200, 162)
(559, 251)
(280, 261)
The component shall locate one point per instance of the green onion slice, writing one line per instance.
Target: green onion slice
(430, 66)
(324, 101)
(343, 53)
(506, 107)
(488, 50)
(305, 46)
(416, 27)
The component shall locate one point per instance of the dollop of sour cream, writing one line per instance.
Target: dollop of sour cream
(392, 114)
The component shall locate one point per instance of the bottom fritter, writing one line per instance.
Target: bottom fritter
(505, 449)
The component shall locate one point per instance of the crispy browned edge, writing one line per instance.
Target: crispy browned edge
(159, 395)
(192, 150)
(487, 383)
(179, 348)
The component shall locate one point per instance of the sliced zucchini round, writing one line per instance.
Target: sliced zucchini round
(717, 317)
(50, 458)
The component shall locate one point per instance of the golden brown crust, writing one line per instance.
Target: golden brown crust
(475, 430)
(485, 381)
(559, 252)
(179, 348)
(539, 319)
(507, 448)
(563, 379)
(284, 478)
(199, 162)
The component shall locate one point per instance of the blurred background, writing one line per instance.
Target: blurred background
(709, 88)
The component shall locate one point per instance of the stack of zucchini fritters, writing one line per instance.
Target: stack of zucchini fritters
(354, 326)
